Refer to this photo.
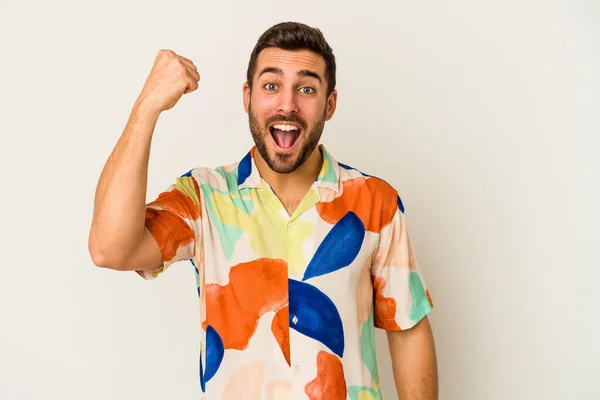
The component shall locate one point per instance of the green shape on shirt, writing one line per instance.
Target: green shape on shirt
(327, 170)
(228, 233)
(420, 302)
(367, 348)
(363, 393)
(231, 179)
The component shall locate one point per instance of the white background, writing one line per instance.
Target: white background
(483, 114)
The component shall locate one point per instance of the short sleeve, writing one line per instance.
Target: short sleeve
(174, 220)
(400, 296)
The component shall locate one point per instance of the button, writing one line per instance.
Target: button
(297, 369)
(290, 224)
(293, 272)
(295, 320)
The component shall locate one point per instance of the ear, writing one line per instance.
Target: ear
(331, 104)
(246, 91)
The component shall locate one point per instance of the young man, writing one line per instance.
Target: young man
(297, 257)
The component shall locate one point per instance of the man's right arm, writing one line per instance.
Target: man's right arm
(118, 236)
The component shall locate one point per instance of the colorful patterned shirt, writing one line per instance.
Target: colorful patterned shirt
(288, 304)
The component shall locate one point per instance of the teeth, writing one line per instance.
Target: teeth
(286, 127)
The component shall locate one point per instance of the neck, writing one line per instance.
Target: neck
(299, 180)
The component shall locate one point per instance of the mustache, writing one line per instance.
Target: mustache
(286, 118)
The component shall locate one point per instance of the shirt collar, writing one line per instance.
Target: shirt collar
(329, 177)
(248, 175)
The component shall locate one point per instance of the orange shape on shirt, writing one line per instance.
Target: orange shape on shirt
(330, 383)
(254, 288)
(179, 203)
(169, 231)
(281, 329)
(371, 199)
(429, 297)
(384, 307)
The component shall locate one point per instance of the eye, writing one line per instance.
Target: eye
(307, 90)
(270, 86)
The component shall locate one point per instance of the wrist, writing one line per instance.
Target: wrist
(146, 108)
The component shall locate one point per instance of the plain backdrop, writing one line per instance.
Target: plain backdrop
(483, 114)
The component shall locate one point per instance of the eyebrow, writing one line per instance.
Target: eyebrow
(279, 71)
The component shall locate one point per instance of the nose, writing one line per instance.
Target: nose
(287, 102)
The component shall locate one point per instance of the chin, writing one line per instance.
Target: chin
(282, 162)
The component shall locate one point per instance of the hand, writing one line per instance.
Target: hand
(171, 77)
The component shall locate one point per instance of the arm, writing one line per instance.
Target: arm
(118, 224)
(118, 236)
(414, 362)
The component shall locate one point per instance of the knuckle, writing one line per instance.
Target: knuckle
(166, 53)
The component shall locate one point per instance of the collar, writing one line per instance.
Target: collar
(329, 177)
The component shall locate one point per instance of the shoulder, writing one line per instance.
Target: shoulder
(222, 178)
(368, 185)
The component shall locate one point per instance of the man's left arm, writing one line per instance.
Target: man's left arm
(414, 362)
(401, 304)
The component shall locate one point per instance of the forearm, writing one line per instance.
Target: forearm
(414, 362)
(119, 205)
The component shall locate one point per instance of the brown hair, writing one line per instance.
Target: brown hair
(294, 36)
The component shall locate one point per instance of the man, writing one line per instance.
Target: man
(297, 257)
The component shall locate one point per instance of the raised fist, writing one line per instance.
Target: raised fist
(171, 77)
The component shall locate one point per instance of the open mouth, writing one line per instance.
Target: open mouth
(285, 134)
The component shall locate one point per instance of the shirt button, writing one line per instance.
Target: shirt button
(295, 320)
(293, 272)
(290, 224)
(297, 369)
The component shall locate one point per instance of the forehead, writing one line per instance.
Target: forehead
(290, 61)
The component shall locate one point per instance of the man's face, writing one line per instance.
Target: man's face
(288, 106)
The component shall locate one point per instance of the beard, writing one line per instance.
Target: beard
(284, 163)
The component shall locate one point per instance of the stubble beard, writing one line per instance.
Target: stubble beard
(282, 163)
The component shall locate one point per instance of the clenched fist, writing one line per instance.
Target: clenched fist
(171, 77)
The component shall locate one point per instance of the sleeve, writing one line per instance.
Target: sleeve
(174, 219)
(400, 296)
